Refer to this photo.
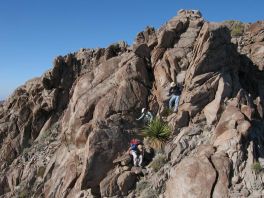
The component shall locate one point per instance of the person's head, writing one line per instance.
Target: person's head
(173, 84)
(143, 110)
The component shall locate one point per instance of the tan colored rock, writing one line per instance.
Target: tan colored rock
(114, 89)
(243, 127)
(126, 168)
(206, 150)
(123, 160)
(126, 181)
(94, 95)
(136, 170)
(99, 155)
(109, 187)
(224, 90)
(13, 178)
(228, 119)
(62, 180)
(193, 177)
(156, 55)
(147, 36)
(222, 165)
(225, 136)
(166, 39)
(247, 111)
(82, 135)
(142, 50)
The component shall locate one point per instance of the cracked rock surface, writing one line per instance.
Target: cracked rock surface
(65, 134)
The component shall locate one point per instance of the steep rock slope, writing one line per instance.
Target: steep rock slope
(61, 132)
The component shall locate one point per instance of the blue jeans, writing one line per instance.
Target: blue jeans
(174, 101)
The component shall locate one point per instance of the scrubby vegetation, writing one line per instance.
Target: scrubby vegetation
(236, 27)
(157, 133)
(256, 167)
(158, 161)
(141, 186)
(143, 189)
(149, 193)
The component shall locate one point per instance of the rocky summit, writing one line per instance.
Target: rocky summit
(66, 133)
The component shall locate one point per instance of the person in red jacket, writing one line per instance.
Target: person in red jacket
(136, 150)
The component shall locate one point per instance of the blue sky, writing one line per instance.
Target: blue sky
(34, 32)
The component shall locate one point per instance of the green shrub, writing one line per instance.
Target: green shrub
(158, 161)
(236, 27)
(23, 194)
(157, 132)
(256, 167)
(237, 31)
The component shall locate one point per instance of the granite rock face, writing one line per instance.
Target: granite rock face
(62, 134)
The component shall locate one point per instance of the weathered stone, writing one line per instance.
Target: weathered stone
(245, 192)
(126, 181)
(166, 39)
(193, 177)
(142, 50)
(222, 165)
(99, 156)
(136, 170)
(224, 90)
(58, 130)
(108, 186)
(123, 160)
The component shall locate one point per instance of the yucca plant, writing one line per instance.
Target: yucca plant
(157, 132)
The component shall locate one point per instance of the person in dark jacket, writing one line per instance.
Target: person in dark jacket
(174, 93)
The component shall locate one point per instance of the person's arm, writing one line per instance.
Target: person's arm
(140, 117)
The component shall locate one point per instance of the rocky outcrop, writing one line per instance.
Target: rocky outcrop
(204, 175)
(62, 134)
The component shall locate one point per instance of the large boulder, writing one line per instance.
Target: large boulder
(101, 148)
(206, 174)
(193, 177)
(126, 181)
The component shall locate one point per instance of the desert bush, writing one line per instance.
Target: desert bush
(256, 167)
(141, 186)
(24, 193)
(236, 27)
(157, 132)
(158, 161)
(149, 193)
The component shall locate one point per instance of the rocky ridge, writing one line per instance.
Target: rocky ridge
(62, 134)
